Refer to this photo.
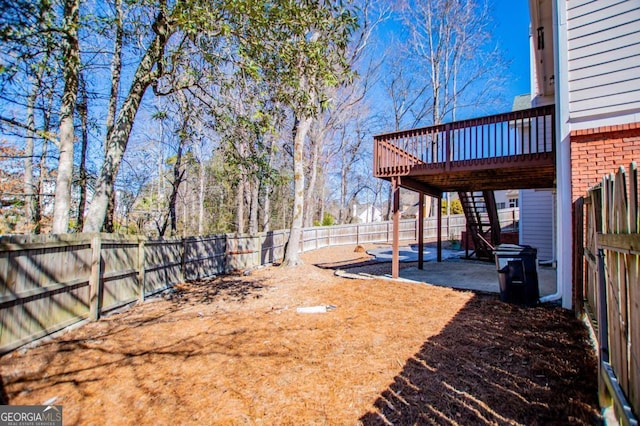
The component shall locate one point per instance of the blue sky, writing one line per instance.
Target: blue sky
(509, 31)
(512, 33)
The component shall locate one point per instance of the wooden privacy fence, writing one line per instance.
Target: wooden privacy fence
(608, 284)
(52, 281)
(49, 282)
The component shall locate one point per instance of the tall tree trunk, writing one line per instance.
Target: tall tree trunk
(178, 176)
(240, 196)
(301, 128)
(160, 186)
(344, 208)
(117, 141)
(266, 208)
(83, 111)
(116, 68)
(311, 191)
(185, 206)
(116, 71)
(202, 176)
(42, 165)
(108, 225)
(253, 210)
(170, 217)
(71, 66)
(30, 218)
(322, 189)
(266, 191)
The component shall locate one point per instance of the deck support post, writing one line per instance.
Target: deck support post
(395, 257)
(440, 228)
(421, 231)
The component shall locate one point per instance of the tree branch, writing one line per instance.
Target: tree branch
(41, 133)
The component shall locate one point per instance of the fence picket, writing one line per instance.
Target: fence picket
(612, 225)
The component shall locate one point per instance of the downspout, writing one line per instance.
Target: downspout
(563, 162)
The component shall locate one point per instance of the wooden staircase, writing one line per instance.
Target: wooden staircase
(483, 224)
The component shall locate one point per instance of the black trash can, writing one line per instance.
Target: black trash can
(517, 274)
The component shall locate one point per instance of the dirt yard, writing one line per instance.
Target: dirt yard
(234, 350)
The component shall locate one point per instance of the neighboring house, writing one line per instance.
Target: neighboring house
(366, 213)
(507, 199)
(537, 227)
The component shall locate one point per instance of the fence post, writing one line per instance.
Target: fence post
(316, 238)
(141, 270)
(95, 283)
(357, 234)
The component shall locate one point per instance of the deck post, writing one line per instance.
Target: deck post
(440, 228)
(421, 231)
(395, 257)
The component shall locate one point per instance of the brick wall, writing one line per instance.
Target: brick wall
(596, 152)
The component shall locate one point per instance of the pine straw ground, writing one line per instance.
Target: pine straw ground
(233, 350)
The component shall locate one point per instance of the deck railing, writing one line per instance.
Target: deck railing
(497, 138)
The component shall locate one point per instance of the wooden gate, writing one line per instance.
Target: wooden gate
(608, 285)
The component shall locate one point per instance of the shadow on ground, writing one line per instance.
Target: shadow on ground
(125, 345)
(497, 363)
(350, 264)
(4, 398)
(210, 290)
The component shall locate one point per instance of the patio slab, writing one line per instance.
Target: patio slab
(459, 273)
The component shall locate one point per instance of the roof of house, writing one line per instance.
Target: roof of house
(521, 102)
(363, 208)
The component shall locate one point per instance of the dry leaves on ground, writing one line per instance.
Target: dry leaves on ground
(233, 350)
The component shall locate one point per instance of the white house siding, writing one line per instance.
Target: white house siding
(542, 52)
(603, 52)
(537, 221)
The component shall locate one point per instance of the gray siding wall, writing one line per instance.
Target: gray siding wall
(537, 221)
(604, 56)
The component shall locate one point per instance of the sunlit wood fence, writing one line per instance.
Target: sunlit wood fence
(608, 285)
(50, 282)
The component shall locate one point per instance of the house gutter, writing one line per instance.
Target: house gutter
(563, 162)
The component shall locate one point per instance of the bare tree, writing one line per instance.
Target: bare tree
(83, 112)
(449, 41)
(112, 109)
(66, 137)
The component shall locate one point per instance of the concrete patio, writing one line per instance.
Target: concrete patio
(459, 273)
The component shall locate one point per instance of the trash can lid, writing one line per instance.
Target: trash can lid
(513, 249)
(510, 247)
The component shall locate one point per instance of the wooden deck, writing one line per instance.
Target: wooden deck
(515, 150)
